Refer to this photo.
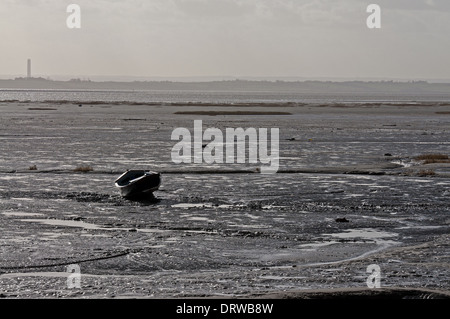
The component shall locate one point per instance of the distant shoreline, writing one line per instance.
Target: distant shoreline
(326, 87)
(287, 105)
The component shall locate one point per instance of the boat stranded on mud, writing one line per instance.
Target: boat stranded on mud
(138, 183)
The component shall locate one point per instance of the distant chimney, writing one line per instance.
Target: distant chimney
(29, 68)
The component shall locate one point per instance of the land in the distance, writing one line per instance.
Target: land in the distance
(328, 87)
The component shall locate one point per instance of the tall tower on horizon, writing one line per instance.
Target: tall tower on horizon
(29, 68)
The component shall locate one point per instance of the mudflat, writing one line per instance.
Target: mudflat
(351, 192)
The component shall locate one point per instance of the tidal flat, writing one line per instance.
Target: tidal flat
(349, 193)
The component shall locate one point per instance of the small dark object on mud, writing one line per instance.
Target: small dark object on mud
(83, 169)
(426, 172)
(388, 154)
(433, 158)
(342, 220)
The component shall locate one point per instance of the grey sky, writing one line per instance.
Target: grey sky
(305, 38)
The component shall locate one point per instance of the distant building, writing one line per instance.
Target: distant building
(29, 69)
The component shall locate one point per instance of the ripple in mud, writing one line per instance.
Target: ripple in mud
(90, 197)
(115, 200)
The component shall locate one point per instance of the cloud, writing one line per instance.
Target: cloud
(213, 37)
(414, 5)
(214, 9)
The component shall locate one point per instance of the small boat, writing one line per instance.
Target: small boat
(138, 183)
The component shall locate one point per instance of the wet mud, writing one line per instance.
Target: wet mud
(348, 195)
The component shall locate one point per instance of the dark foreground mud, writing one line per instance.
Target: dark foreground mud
(211, 233)
(233, 243)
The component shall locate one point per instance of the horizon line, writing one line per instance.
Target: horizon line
(215, 78)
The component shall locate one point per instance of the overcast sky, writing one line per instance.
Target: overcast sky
(304, 38)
